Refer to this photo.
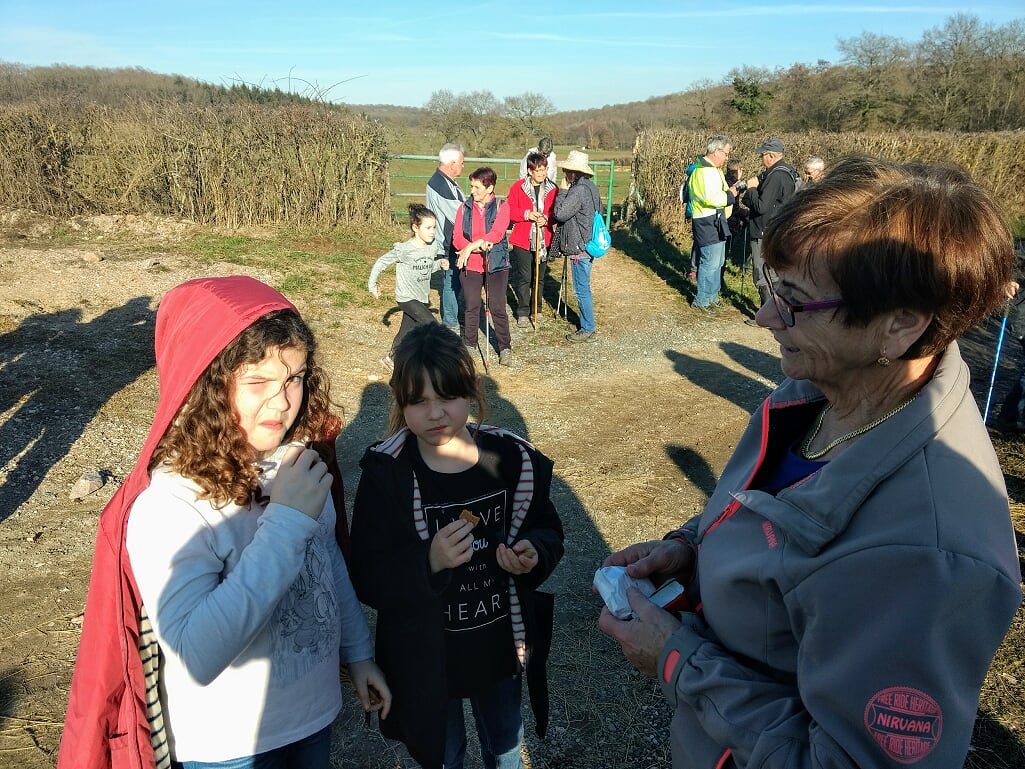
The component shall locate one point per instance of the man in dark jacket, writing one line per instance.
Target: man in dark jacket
(444, 196)
(766, 193)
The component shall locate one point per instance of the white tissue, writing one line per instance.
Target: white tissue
(612, 582)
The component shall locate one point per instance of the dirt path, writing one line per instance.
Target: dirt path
(639, 422)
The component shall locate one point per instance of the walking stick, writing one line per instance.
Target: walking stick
(540, 245)
(487, 315)
(562, 287)
(996, 362)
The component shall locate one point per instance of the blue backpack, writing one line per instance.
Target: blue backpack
(601, 239)
(685, 191)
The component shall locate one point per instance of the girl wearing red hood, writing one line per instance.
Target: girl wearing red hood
(224, 537)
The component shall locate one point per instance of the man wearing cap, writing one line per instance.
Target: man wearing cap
(710, 200)
(765, 193)
(574, 208)
(443, 198)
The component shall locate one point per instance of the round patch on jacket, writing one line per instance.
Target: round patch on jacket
(904, 722)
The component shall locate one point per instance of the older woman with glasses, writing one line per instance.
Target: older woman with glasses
(855, 569)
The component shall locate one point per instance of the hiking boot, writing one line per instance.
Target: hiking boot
(580, 336)
(751, 322)
(1009, 425)
(706, 309)
(505, 357)
(523, 322)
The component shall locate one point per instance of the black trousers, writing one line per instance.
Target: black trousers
(413, 313)
(521, 280)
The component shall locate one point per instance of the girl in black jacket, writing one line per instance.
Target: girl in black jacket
(453, 531)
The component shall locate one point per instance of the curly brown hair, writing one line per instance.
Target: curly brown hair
(205, 443)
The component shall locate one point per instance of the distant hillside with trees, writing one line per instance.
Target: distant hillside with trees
(961, 76)
(116, 87)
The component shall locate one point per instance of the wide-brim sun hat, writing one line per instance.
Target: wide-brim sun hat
(576, 161)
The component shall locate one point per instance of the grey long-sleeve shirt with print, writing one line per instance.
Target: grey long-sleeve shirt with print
(414, 265)
(849, 620)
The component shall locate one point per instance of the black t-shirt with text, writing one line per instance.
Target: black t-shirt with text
(478, 630)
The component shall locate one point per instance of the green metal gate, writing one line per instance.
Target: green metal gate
(408, 175)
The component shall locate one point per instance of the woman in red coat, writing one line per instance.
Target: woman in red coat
(530, 202)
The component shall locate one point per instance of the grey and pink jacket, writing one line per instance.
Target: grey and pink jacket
(849, 620)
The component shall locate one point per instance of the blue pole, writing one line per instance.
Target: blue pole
(996, 362)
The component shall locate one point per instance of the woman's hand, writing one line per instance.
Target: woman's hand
(376, 291)
(370, 686)
(303, 482)
(443, 263)
(659, 558)
(644, 636)
(452, 546)
(518, 559)
(464, 255)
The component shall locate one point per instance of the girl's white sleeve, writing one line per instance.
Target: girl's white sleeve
(355, 644)
(208, 588)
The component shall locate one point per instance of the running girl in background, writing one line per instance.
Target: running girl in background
(453, 531)
(224, 534)
(415, 260)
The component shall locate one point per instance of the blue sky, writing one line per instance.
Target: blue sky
(579, 54)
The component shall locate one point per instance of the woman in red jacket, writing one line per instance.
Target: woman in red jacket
(530, 203)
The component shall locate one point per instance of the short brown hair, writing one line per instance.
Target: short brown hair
(485, 175)
(535, 160)
(914, 236)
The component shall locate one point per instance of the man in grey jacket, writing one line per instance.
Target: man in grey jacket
(444, 197)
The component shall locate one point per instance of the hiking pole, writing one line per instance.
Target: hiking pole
(487, 314)
(562, 287)
(996, 362)
(743, 257)
(539, 247)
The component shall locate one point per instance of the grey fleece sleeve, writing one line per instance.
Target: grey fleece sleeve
(886, 671)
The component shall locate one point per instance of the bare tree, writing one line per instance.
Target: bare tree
(527, 113)
(947, 67)
(877, 89)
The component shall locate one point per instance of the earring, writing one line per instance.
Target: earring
(882, 360)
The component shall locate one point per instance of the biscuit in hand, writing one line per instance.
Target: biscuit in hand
(467, 515)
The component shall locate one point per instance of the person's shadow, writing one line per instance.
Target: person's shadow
(744, 391)
(56, 373)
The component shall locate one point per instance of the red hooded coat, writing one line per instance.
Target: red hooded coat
(106, 724)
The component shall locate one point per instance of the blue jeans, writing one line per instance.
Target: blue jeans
(581, 266)
(712, 258)
(499, 727)
(313, 752)
(450, 291)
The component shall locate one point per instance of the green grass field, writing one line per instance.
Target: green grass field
(408, 176)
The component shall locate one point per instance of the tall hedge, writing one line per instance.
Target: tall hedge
(995, 160)
(230, 164)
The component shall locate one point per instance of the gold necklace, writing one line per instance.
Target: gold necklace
(843, 438)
